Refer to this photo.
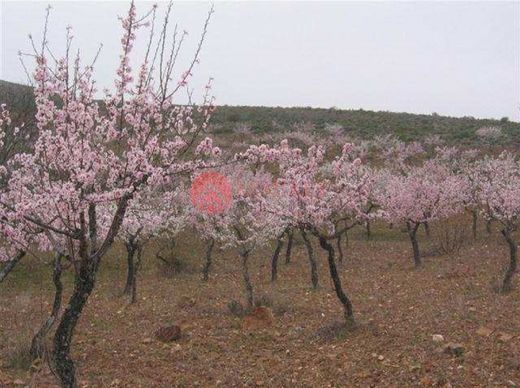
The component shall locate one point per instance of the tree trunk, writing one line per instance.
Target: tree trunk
(513, 250)
(10, 265)
(274, 260)
(130, 273)
(369, 231)
(137, 264)
(312, 259)
(426, 228)
(340, 249)
(412, 232)
(38, 349)
(83, 286)
(207, 264)
(247, 280)
(348, 311)
(84, 280)
(288, 252)
(474, 216)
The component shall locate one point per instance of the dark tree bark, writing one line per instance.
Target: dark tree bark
(131, 249)
(38, 349)
(488, 227)
(134, 249)
(312, 259)
(10, 265)
(412, 232)
(426, 228)
(89, 255)
(369, 231)
(474, 219)
(83, 286)
(274, 260)
(244, 254)
(340, 248)
(288, 252)
(513, 252)
(348, 311)
(207, 264)
(137, 264)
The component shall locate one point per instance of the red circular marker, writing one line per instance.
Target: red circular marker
(211, 193)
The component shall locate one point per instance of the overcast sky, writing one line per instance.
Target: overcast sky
(453, 58)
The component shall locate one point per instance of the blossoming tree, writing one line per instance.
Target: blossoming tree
(86, 156)
(426, 193)
(312, 200)
(499, 197)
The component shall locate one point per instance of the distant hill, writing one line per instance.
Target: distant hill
(358, 123)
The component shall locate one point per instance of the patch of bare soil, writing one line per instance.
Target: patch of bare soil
(441, 325)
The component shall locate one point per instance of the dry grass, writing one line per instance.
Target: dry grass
(398, 310)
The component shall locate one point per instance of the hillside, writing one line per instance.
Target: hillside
(356, 123)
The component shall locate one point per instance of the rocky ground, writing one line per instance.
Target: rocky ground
(441, 325)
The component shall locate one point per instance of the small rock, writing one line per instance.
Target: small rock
(484, 331)
(18, 382)
(168, 333)
(453, 349)
(473, 309)
(511, 383)
(504, 337)
(437, 338)
(381, 357)
(147, 341)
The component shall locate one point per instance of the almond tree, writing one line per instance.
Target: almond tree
(462, 162)
(426, 193)
(10, 228)
(86, 156)
(313, 200)
(244, 224)
(150, 214)
(499, 198)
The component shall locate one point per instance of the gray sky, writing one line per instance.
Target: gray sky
(453, 58)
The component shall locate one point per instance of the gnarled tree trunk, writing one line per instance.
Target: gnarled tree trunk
(427, 228)
(137, 264)
(274, 260)
(38, 342)
(513, 252)
(412, 232)
(288, 252)
(90, 255)
(83, 286)
(244, 254)
(340, 249)
(312, 259)
(10, 265)
(348, 311)
(474, 219)
(131, 249)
